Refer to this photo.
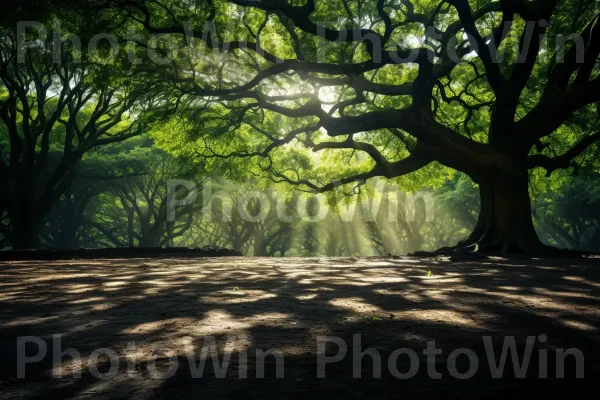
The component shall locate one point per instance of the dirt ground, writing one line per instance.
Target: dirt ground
(157, 315)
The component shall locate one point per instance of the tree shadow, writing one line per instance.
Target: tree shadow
(248, 304)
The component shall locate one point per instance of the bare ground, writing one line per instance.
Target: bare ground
(173, 305)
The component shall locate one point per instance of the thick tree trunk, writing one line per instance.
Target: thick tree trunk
(26, 232)
(505, 223)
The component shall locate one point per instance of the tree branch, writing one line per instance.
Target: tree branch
(565, 160)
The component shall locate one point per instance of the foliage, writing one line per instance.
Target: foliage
(299, 97)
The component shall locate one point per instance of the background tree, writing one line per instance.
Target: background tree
(273, 232)
(69, 223)
(568, 214)
(53, 112)
(135, 208)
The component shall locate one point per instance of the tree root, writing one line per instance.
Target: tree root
(480, 250)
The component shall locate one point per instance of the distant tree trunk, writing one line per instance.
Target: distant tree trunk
(170, 233)
(130, 231)
(68, 235)
(260, 251)
(593, 244)
(68, 231)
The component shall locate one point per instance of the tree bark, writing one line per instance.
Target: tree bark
(505, 223)
(26, 232)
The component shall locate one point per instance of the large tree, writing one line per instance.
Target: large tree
(54, 108)
(482, 87)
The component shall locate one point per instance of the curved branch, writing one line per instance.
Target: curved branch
(565, 160)
(412, 163)
(351, 144)
(483, 50)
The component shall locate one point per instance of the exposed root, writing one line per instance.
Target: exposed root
(507, 249)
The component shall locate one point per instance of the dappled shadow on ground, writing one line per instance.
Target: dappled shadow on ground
(171, 306)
